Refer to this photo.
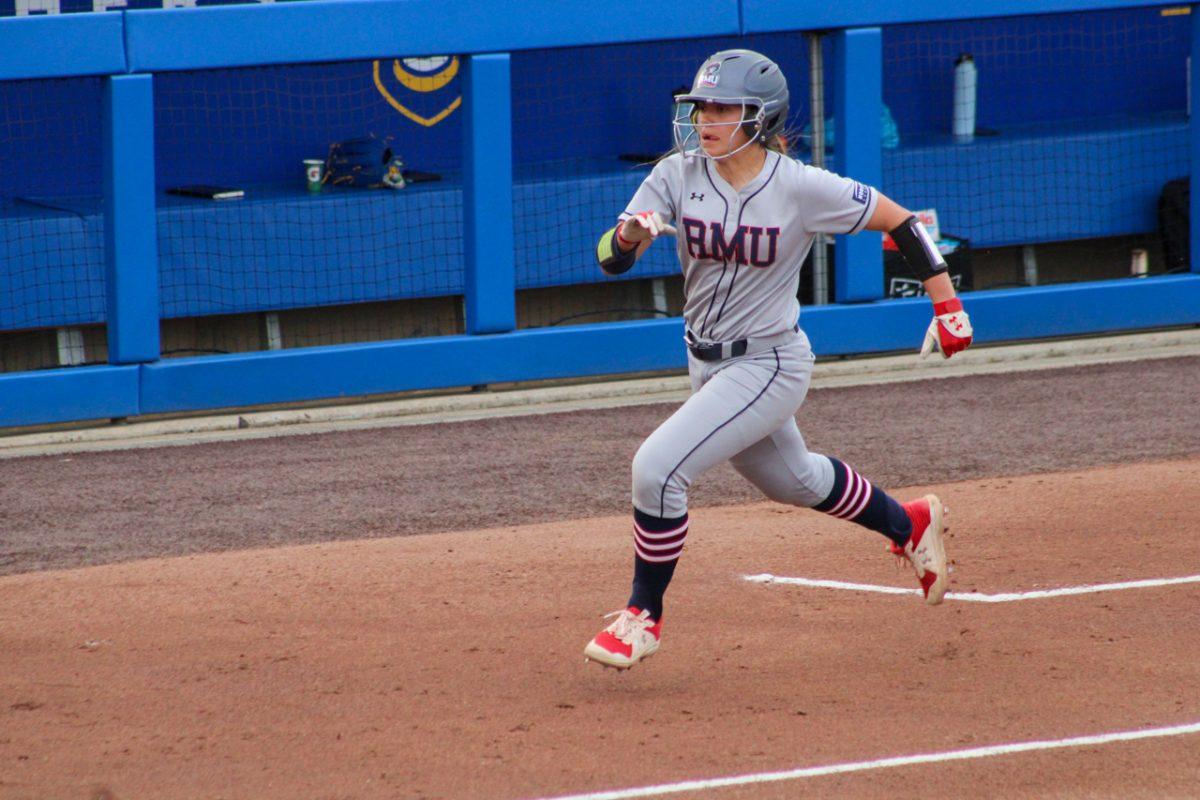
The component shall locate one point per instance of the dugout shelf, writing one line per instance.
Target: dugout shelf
(281, 247)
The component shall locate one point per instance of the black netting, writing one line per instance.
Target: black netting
(52, 295)
(280, 265)
(1076, 124)
(1079, 127)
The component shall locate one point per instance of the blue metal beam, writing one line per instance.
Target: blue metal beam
(352, 370)
(858, 106)
(766, 16)
(65, 395)
(491, 305)
(1194, 141)
(130, 238)
(61, 45)
(334, 30)
(341, 30)
(1030, 313)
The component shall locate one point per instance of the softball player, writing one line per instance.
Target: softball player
(745, 216)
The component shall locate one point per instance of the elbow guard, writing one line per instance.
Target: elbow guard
(918, 249)
(612, 259)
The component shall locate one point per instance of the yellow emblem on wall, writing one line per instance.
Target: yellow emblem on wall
(423, 75)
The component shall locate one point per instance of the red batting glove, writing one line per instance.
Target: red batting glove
(950, 331)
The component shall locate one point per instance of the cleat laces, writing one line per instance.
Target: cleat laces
(627, 625)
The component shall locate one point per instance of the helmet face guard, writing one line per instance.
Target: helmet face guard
(733, 77)
(686, 131)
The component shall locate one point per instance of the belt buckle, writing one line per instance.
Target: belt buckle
(700, 351)
(706, 352)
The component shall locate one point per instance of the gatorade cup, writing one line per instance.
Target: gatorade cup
(314, 170)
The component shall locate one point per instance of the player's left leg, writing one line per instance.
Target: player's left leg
(782, 467)
(735, 404)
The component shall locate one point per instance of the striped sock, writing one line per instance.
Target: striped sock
(657, 543)
(853, 498)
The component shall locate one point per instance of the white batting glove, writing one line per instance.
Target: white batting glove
(645, 225)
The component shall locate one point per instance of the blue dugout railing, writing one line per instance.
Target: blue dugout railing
(129, 46)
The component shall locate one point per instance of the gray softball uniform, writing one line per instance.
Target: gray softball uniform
(741, 253)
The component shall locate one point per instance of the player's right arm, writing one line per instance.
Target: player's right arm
(622, 245)
(647, 216)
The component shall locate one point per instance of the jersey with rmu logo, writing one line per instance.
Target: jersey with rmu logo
(741, 252)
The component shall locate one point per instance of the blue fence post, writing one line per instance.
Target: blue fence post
(857, 108)
(1194, 135)
(491, 305)
(130, 238)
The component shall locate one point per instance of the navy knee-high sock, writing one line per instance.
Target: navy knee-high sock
(853, 498)
(657, 543)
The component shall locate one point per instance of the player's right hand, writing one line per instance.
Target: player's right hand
(950, 332)
(644, 225)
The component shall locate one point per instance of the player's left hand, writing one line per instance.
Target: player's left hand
(950, 331)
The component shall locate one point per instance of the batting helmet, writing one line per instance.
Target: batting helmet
(735, 77)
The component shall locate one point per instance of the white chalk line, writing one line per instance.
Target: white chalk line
(978, 597)
(885, 763)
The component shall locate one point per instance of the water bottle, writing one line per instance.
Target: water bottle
(964, 98)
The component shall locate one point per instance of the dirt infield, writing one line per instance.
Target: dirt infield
(450, 666)
(345, 658)
(95, 508)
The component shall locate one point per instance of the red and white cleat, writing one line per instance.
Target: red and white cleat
(926, 549)
(631, 637)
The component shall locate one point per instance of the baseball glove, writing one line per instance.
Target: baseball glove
(364, 162)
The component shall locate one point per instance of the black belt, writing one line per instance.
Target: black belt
(718, 351)
(721, 350)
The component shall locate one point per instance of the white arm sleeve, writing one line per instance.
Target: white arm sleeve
(657, 192)
(830, 203)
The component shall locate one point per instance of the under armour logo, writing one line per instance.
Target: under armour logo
(699, 197)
